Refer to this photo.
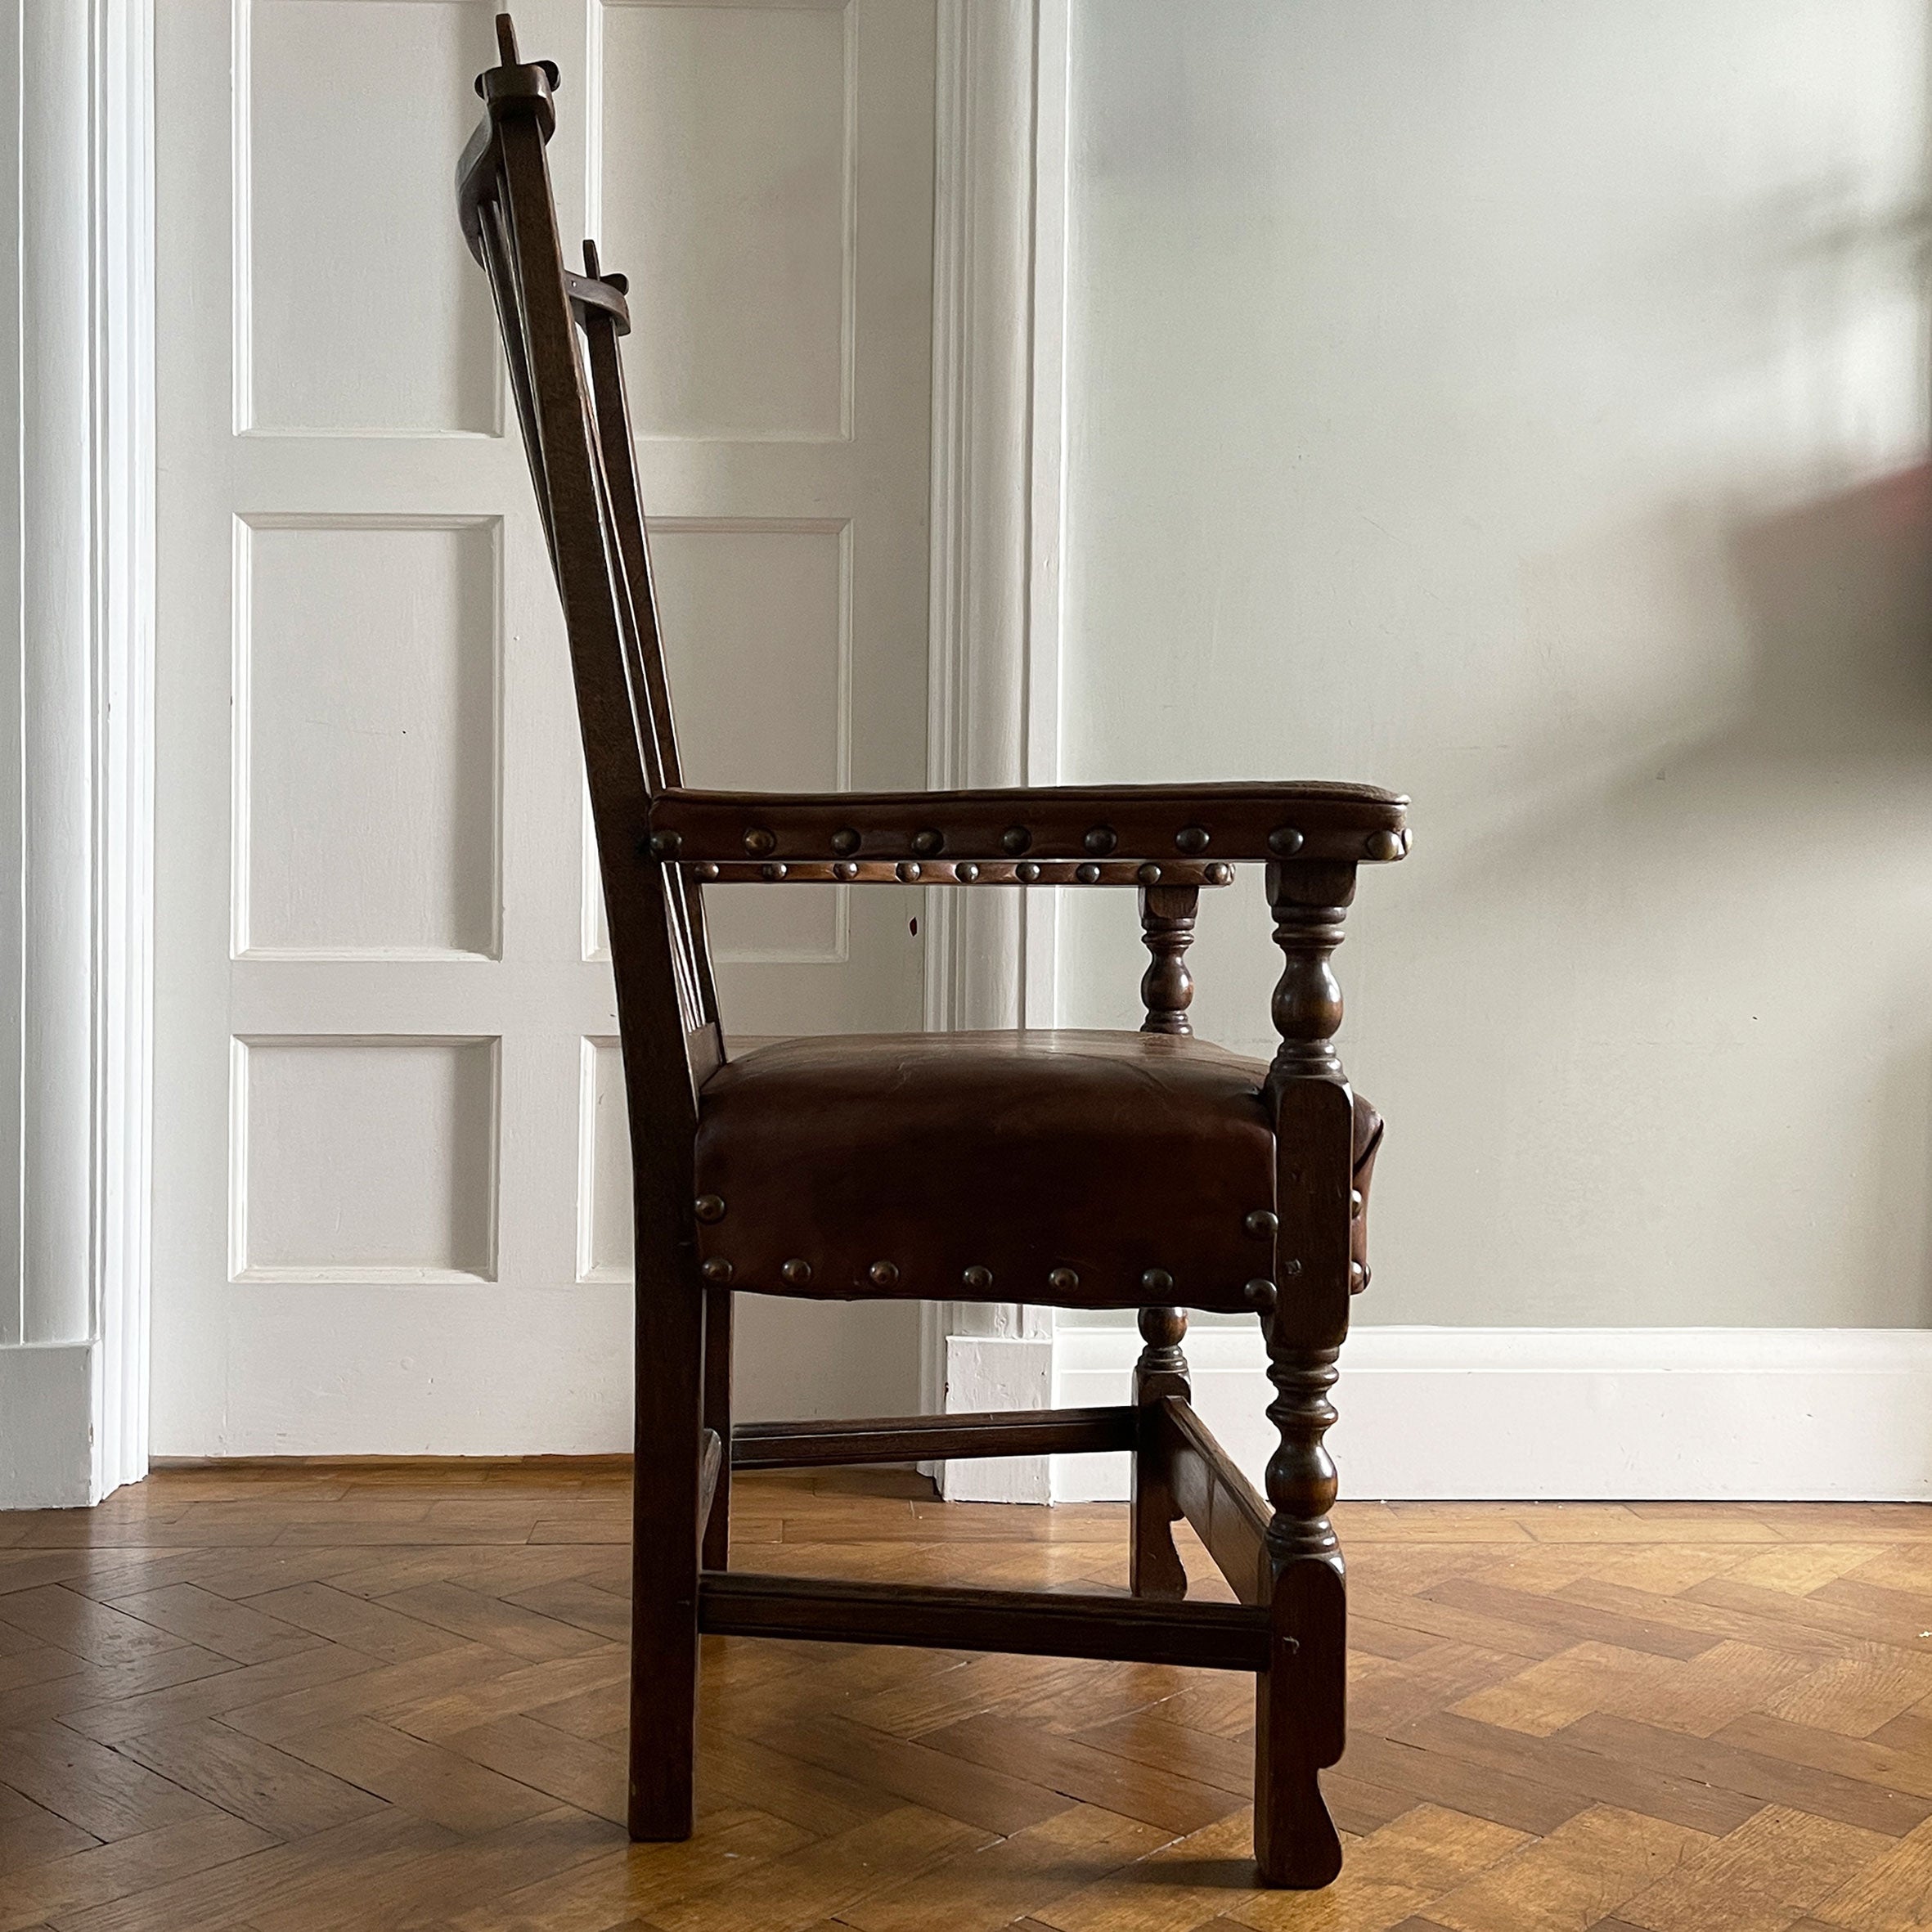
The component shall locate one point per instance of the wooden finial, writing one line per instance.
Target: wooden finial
(506, 41)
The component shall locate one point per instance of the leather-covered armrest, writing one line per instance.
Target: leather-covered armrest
(1116, 822)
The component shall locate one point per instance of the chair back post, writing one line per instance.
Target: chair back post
(667, 1018)
(593, 523)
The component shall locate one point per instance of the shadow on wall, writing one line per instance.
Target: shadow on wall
(1722, 947)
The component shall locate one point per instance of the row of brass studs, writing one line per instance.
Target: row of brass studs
(1284, 841)
(966, 871)
(1260, 1294)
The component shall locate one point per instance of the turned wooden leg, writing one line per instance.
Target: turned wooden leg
(1154, 1567)
(717, 1415)
(664, 1554)
(1299, 1718)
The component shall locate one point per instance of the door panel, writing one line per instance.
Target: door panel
(391, 1205)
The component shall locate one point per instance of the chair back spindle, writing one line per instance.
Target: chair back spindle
(560, 336)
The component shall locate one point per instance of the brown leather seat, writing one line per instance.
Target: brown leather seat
(895, 1164)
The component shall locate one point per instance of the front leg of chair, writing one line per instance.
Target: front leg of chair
(1300, 1724)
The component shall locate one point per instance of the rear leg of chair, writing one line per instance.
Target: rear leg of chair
(717, 1416)
(664, 1554)
(1154, 1567)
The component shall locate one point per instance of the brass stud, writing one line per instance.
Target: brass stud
(1284, 841)
(1149, 875)
(709, 1207)
(1191, 839)
(1220, 873)
(1100, 841)
(759, 841)
(907, 869)
(885, 1274)
(1260, 1296)
(1355, 1204)
(967, 872)
(845, 869)
(665, 845)
(1156, 1281)
(927, 843)
(717, 1270)
(1088, 873)
(1027, 871)
(1261, 1224)
(1062, 1281)
(845, 840)
(1357, 1278)
(1382, 847)
(710, 870)
(796, 1271)
(977, 1279)
(1015, 838)
(772, 869)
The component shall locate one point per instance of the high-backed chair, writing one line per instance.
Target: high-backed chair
(1079, 1169)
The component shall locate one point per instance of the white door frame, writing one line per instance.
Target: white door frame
(77, 401)
(77, 396)
(999, 419)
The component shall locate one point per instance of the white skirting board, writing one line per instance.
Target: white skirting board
(992, 1372)
(47, 1433)
(1570, 1414)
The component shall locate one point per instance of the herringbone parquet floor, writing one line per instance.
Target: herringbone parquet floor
(301, 1700)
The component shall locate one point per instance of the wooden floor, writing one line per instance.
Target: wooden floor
(301, 1700)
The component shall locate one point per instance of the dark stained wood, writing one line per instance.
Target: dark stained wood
(1160, 1377)
(660, 845)
(1167, 914)
(1167, 990)
(1300, 1724)
(916, 1439)
(1183, 875)
(1027, 1622)
(1218, 1501)
(718, 1421)
(1341, 822)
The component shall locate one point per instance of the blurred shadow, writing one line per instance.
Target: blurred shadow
(1839, 596)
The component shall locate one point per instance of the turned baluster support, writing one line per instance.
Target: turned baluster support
(1300, 1723)
(1154, 1567)
(1167, 931)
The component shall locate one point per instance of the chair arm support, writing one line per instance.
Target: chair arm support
(1156, 824)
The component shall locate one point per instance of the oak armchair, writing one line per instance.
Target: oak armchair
(1140, 1170)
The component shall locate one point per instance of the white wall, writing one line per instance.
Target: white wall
(1522, 402)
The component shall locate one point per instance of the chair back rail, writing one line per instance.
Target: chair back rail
(559, 334)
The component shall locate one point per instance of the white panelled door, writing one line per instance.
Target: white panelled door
(391, 1183)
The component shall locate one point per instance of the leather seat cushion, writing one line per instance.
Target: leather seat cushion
(1107, 1154)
